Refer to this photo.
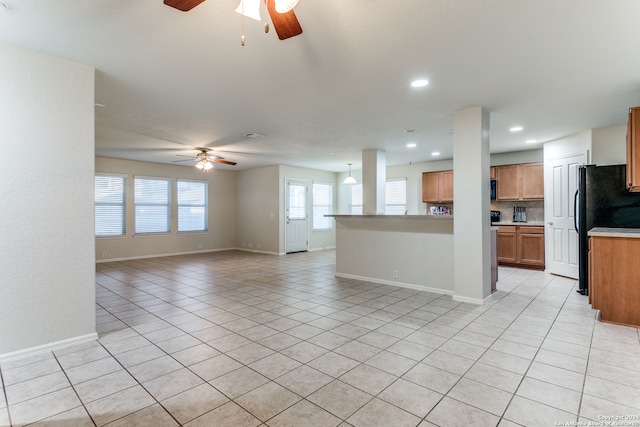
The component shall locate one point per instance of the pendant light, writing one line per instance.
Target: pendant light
(350, 180)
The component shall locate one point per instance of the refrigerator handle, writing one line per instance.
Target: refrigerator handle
(575, 213)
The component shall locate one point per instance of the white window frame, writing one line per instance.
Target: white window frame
(121, 204)
(388, 206)
(138, 204)
(320, 222)
(204, 205)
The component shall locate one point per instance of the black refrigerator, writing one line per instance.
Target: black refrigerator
(601, 200)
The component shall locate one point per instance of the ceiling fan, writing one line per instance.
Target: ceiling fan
(285, 23)
(205, 161)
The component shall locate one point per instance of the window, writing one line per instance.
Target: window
(192, 206)
(151, 197)
(395, 196)
(355, 207)
(109, 205)
(322, 205)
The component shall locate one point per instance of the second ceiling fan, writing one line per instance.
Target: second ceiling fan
(285, 23)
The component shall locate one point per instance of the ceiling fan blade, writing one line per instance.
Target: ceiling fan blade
(183, 5)
(225, 162)
(286, 24)
(185, 160)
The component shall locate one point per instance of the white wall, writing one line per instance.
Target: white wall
(258, 210)
(576, 143)
(47, 269)
(609, 145)
(222, 213)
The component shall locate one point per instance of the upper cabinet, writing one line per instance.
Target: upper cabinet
(633, 149)
(437, 187)
(523, 181)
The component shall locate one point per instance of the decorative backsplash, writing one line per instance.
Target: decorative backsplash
(535, 209)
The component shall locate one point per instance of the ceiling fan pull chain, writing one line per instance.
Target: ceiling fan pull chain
(266, 20)
(242, 24)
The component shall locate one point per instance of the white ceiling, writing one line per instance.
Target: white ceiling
(171, 81)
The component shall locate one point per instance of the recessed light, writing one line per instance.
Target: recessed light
(435, 153)
(411, 145)
(516, 128)
(419, 83)
(531, 141)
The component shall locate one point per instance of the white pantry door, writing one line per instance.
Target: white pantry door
(561, 237)
(296, 216)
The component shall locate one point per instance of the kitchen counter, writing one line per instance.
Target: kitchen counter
(522, 224)
(633, 233)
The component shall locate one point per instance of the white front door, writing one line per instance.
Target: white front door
(561, 237)
(296, 216)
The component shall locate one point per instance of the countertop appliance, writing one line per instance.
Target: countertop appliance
(601, 200)
(495, 216)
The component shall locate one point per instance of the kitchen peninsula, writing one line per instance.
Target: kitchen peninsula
(413, 251)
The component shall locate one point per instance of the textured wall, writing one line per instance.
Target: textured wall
(47, 272)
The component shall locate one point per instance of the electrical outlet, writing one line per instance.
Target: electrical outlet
(104, 254)
(199, 245)
(395, 274)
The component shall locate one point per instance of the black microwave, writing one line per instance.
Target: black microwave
(493, 189)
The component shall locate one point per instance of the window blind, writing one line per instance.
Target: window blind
(322, 205)
(151, 198)
(396, 196)
(192, 206)
(109, 205)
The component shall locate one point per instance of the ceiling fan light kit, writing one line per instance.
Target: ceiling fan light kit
(286, 23)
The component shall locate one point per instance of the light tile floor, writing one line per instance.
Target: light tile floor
(241, 339)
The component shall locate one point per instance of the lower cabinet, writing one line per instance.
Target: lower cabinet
(521, 246)
(614, 274)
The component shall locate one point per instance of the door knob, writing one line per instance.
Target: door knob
(550, 223)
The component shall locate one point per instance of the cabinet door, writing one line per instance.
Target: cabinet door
(507, 244)
(633, 149)
(430, 186)
(446, 186)
(532, 181)
(508, 182)
(492, 172)
(531, 245)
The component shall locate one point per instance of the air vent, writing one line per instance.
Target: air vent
(253, 135)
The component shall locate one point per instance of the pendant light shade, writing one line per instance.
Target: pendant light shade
(284, 6)
(249, 8)
(350, 180)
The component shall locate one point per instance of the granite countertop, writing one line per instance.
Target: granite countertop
(633, 233)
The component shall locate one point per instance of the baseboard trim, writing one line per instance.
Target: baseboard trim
(44, 348)
(477, 301)
(397, 284)
(202, 251)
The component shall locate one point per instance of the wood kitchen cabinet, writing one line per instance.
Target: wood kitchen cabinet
(507, 243)
(437, 187)
(521, 246)
(614, 273)
(523, 181)
(633, 150)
